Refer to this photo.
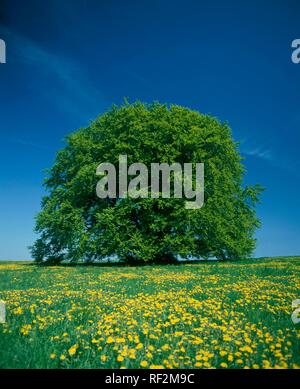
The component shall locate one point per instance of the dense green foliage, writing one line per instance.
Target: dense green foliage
(74, 224)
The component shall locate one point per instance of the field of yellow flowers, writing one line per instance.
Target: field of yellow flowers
(204, 315)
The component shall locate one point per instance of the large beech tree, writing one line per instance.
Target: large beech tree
(74, 224)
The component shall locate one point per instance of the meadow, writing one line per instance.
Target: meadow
(203, 315)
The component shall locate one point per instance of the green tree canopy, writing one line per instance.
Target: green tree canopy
(74, 224)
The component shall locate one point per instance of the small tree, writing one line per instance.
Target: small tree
(74, 224)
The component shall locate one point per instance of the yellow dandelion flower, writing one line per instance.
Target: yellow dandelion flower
(18, 311)
(72, 350)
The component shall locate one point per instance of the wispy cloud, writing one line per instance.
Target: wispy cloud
(70, 81)
(25, 143)
(259, 152)
(250, 147)
(139, 79)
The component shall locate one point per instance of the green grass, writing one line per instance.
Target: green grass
(223, 315)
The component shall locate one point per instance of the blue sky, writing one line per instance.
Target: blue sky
(68, 61)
